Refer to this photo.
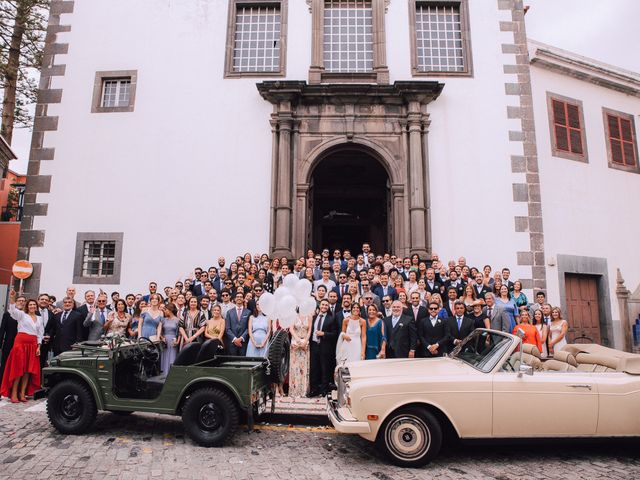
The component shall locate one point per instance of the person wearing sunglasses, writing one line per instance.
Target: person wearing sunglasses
(432, 333)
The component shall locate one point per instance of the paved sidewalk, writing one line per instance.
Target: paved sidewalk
(144, 446)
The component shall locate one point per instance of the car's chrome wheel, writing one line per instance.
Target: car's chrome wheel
(410, 437)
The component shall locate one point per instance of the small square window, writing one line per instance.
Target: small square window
(98, 258)
(114, 91)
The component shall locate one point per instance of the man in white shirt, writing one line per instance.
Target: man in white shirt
(325, 280)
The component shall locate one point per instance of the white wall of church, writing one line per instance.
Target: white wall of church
(589, 208)
(186, 176)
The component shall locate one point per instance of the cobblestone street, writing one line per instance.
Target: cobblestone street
(154, 446)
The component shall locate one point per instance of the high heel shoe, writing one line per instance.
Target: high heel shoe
(15, 400)
(23, 399)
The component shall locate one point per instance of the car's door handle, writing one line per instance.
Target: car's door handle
(580, 385)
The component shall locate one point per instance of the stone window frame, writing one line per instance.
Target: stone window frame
(231, 30)
(82, 237)
(466, 39)
(96, 103)
(627, 116)
(556, 152)
(380, 72)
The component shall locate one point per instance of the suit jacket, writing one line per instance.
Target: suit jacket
(483, 291)
(422, 312)
(392, 292)
(8, 332)
(458, 334)
(429, 334)
(237, 327)
(446, 306)
(437, 287)
(459, 288)
(499, 319)
(402, 338)
(331, 331)
(95, 325)
(83, 310)
(68, 333)
(338, 290)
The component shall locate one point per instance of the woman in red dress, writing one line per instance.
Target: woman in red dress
(23, 365)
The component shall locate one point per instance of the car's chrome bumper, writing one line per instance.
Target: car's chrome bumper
(341, 422)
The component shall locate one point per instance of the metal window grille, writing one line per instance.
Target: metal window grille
(439, 38)
(116, 92)
(99, 259)
(256, 45)
(348, 36)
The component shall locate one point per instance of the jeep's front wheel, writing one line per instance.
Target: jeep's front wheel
(71, 407)
(410, 437)
(210, 417)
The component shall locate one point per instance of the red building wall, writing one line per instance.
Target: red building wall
(9, 231)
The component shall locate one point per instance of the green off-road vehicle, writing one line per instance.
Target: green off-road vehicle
(212, 393)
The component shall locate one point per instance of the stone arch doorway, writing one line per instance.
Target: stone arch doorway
(349, 202)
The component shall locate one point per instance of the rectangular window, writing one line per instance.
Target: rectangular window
(114, 91)
(348, 36)
(621, 139)
(256, 38)
(440, 38)
(566, 128)
(98, 258)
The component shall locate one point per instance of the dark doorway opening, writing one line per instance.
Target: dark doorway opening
(349, 203)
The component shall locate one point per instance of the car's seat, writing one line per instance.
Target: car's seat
(209, 349)
(186, 356)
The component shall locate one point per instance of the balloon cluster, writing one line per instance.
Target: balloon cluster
(293, 297)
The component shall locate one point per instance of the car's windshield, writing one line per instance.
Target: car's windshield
(482, 349)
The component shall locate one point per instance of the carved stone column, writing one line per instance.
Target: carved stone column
(417, 209)
(317, 41)
(623, 307)
(380, 42)
(283, 207)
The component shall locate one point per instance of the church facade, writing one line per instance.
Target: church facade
(168, 133)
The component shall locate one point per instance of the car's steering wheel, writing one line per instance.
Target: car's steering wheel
(148, 349)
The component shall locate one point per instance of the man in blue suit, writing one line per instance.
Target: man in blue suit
(236, 324)
(383, 288)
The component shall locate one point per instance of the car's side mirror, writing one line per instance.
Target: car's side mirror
(525, 370)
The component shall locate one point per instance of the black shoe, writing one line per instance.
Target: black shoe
(312, 394)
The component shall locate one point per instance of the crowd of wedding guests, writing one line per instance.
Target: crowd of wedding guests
(368, 306)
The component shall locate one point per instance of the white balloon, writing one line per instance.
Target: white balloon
(267, 303)
(308, 306)
(287, 321)
(290, 281)
(286, 306)
(282, 292)
(302, 290)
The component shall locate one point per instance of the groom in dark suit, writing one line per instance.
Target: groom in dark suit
(458, 325)
(237, 327)
(324, 337)
(68, 327)
(401, 333)
(432, 332)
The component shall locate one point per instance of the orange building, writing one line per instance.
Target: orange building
(11, 204)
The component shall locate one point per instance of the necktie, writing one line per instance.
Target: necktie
(343, 290)
(459, 323)
(318, 328)
(64, 317)
(102, 317)
(394, 321)
(239, 314)
(489, 311)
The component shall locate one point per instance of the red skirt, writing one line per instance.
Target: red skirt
(22, 359)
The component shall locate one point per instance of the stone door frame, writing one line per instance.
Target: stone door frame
(389, 122)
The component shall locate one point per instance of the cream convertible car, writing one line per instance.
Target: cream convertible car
(483, 390)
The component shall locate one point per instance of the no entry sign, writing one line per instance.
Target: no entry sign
(22, 269)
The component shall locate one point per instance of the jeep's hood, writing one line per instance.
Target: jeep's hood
(408, 367)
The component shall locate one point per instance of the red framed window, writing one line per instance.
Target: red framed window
(567, 127)
(622, 143)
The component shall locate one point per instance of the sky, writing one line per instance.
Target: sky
(605, 30)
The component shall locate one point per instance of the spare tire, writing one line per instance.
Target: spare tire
(278, 356)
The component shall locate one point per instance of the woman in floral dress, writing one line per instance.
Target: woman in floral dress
(299, 361)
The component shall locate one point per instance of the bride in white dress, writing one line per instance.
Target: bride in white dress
(557, 330)
(352, 341)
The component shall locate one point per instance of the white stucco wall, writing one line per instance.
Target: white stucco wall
(589, 209)
(186, 176)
